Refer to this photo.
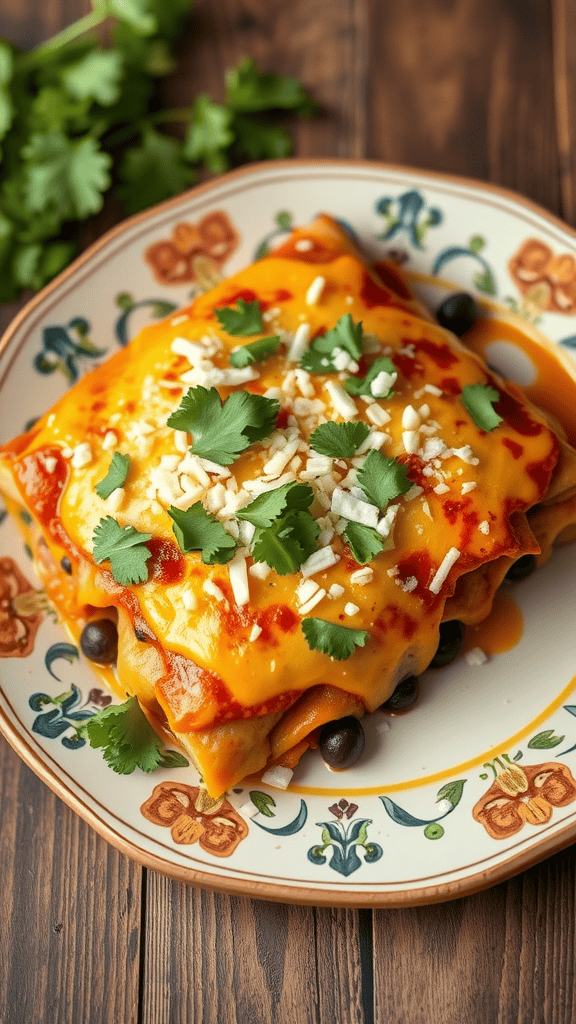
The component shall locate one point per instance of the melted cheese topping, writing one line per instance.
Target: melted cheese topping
(225, 659)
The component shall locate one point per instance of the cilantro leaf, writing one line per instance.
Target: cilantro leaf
(365, 542)
(137, 13)
(345, 335)
(337, 641)
(248, 89)
(362, 385)
(478, 400)
(66, 174)
(264, 510)
(338, 440)
(382, 479)
(261, 141)
(221, 431)
(287, 543)
(128, 741)
(152, 171)
(97, 77)
(6, 105)
(243, 321)
(197, 530)
(255, 351)
(125, 549)
(115, 476)
(209, 134)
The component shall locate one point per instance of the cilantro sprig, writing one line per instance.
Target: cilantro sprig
(286, 533)
(255, 351)
(345, 335)
(363, 385)
(382, 479)
(115, 477)
(339, 440)
(128, 741)
(125, 549)
(221, 431)
(79, 118)
(364, 542)
(338, 642)
(478, 400)
(243, 321)
(197, 530)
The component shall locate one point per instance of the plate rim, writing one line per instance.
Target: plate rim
(270, 890)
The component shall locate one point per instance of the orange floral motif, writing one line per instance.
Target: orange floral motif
(193, 816)
(548, 281)
(194, 252)
(20, 612)
(520, 795)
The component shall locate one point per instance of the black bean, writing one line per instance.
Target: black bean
(457, 313)
(404, 696)
(140, 635)
(521, 568)
(66, 564)
(449, 644)
(342, 742)
(99, 641)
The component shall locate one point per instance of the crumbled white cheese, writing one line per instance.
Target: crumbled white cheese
(299, 343)
(410, 441)
(255, 632)
(362, 576)
(304, 245)
(335, 591)
(484, 527)
(341, 400)
(315, 290)
(448, 561)
(50, 463)
(377, 415)
(249, 810)
(115, 500)
(426, 508)
(476, 657)
(433, 390)
(441, 488)
(305, 590)
(383, 382)
(82, 455)
(386, 523)
(318, 561)
(213, 590)
(468, 486)
(351, 609)
(260, 570)
(349, 507)
(277, 777)
(408, 585)
(110, 440)
(414, 492)
(189, 599)
(306, 608)
(466, 454)
(239, 579)
(304, 383)
(410, 418)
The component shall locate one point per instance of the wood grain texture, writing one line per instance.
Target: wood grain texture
(466, 87)
(259, 962)
(564, 40)
(70, 912)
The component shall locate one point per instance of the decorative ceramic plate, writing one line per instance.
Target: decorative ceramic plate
(478, 781)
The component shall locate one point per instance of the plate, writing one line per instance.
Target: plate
(419, 820)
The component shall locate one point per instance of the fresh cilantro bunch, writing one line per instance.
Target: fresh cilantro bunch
(78, 118)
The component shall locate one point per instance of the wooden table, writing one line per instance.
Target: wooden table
(475, 87)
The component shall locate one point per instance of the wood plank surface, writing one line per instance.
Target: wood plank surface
(473, 87)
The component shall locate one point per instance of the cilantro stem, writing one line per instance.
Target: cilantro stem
(67, 35)
(128, 131)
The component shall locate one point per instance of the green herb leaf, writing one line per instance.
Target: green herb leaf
(263, 801)
(125, 549)
(287, 543)
(248, 89)
(338, 440)
(255, 351)
(115, 476)
(365, 542)
(382, 479)
(6, 106)
(197, 530)
(221, 431)
(152, 171)
(362, 385)
(243, 321)
(261, 141)
(271, 505)
(97, 77)
(338, 642)
(128, 741)
(478, 400)
(209, 134)
(68, 175)
(345, 335)
(137, 13)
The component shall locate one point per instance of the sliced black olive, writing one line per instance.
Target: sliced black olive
(99, 641)
(66, 564)
(521, 568)
(450, 643)
(457, 313)
(342, 742)
(404, 696)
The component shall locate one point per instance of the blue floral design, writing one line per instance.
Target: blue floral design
(64, 346)
(484, 279)
(61, 719)
(410, 213)
(451, 792)
(345, 841)
(158, 308)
